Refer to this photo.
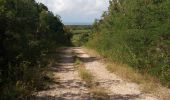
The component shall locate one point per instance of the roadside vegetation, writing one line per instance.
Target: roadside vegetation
(29, 34)
(80, 34)
(136, 33)
(97, 92)
(147, 83)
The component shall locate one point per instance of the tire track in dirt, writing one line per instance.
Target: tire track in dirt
(70, 86)
(117, 87)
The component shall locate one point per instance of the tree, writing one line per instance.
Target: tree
(28, 32)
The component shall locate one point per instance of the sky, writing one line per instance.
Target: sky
(77, 11)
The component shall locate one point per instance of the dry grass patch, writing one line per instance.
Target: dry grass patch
(99, 93)
(126, 72)
(86, 76)
(92, 52)
(148, 84)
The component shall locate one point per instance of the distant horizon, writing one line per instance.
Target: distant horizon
(77, 23)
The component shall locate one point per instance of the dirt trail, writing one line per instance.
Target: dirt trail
(118, 88)
(71, 87)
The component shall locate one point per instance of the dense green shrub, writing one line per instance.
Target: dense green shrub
(136, 32)
(28, 33)
(80, 39)
(80, 34)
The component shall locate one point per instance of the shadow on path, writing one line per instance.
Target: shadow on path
(87, 96)
(65, 88)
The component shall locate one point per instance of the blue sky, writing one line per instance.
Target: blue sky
(77, 11)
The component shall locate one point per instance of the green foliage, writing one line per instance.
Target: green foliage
(28, 33)
(80, 39)
(136, 32)
(79, 27)
(81, 31)
(80, 34)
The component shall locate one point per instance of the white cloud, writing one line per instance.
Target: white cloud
(82, 10)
